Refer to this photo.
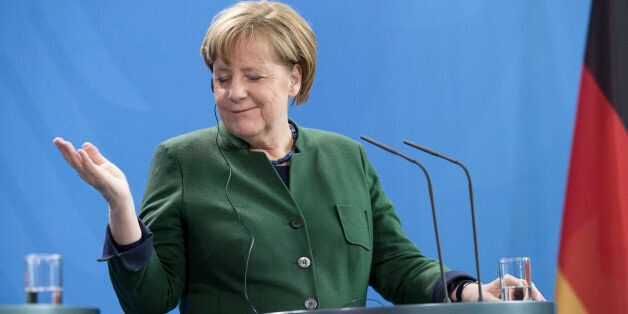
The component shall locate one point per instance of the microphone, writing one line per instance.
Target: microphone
(475, 234)
(429, 185)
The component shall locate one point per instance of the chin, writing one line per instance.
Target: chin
(245, 129)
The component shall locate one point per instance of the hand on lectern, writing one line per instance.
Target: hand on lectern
(492, 290)
(110, 181)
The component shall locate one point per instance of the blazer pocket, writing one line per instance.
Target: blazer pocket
(354, 221)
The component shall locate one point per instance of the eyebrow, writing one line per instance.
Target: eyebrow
(256, 67)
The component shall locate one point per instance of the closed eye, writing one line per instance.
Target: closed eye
(222, 80)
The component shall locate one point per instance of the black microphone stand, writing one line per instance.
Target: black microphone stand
(475, 234)
(429, 185)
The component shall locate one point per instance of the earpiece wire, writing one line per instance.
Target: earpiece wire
(250, 250)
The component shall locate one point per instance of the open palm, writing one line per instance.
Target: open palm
(96, 170)
(110, 181)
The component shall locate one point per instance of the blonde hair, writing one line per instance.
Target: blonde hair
(287, 33)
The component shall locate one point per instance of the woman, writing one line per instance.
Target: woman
(257, 213)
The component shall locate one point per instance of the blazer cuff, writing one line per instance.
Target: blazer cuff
(133, 256)
(450, 277)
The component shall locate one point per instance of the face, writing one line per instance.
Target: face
(252, 92)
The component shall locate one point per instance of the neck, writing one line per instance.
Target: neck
(275, 143)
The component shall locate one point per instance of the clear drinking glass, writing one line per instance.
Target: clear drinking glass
(514, 275)
(43, 278)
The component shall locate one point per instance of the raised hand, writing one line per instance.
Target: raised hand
(110, 181)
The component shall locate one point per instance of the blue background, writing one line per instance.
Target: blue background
(492, 83)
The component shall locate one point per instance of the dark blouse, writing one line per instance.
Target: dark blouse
(284, 173)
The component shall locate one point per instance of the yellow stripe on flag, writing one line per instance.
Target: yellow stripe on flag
(566, 299)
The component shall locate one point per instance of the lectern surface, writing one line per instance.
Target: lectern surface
(513, 307)
(45, 309)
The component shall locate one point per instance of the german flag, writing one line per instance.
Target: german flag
(593, 257)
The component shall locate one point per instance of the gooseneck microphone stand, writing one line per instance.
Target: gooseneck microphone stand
(429, 185)
(475, 234)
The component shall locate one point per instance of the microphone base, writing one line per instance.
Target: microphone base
(511, 307)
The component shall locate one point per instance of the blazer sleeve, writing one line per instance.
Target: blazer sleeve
(399, 272)
(156, 286)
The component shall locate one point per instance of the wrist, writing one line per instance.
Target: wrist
(458, 288)
(121, 207)
(126, 230)
(469, 292)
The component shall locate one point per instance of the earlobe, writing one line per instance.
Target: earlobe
(294, 90)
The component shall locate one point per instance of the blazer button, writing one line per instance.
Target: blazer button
(304, 262)
(311, 304)
(296, 223)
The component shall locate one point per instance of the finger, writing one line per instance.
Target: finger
(493, 284)
(536, 294)
(69, 153)
(489, 296)
(88, 163)
(514, 281)
(95, 173)
(94, 153)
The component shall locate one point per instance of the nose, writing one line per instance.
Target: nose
(237, 90)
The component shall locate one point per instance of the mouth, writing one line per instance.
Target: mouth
(242, 110)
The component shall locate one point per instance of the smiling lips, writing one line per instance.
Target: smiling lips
(242, 110)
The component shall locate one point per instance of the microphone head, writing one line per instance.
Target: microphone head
(431, 152)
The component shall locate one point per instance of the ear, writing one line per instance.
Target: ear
(295, 80)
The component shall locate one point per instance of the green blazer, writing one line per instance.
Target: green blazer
(319, 244)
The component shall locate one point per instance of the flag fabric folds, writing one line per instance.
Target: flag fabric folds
(593, 256)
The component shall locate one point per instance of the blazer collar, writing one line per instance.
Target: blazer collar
(231, 142)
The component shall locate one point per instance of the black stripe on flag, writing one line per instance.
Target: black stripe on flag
(607, 52)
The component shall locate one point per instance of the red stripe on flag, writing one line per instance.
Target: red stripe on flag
(594, 242)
